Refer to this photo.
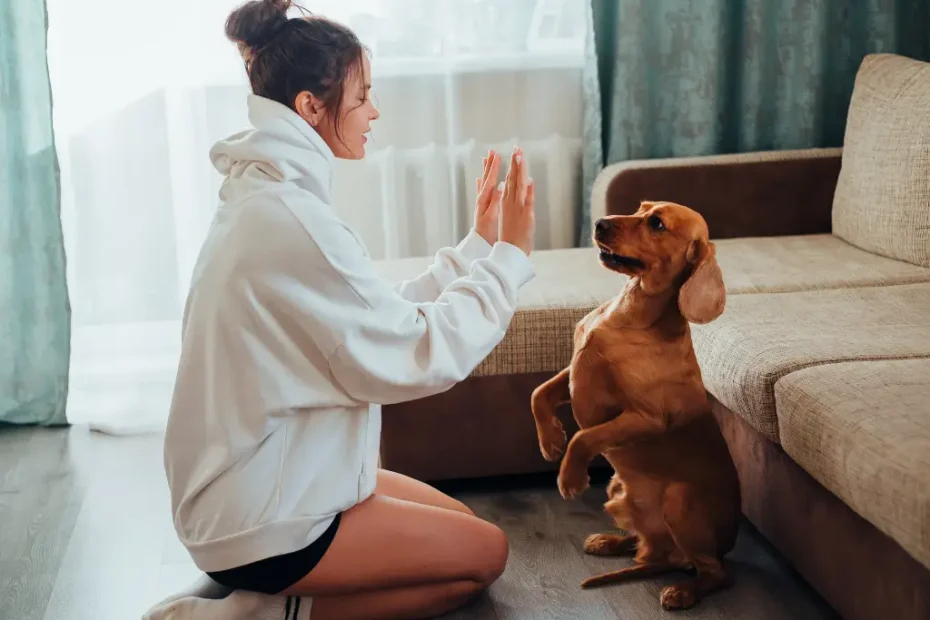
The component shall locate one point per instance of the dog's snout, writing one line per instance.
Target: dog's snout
(602, 226)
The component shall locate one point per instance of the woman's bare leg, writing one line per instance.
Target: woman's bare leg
(412, 603)
(404, 487)
(404, 558)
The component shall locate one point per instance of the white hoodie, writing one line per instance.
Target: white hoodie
(291, 342)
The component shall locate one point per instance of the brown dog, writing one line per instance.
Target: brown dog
(675, 488)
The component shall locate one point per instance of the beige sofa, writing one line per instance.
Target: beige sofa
(819, 368)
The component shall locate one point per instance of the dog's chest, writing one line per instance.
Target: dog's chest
(631, 366)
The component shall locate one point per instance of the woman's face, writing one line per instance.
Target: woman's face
(357, 112)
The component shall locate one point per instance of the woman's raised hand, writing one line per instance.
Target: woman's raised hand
(518, 218)
(487, 208)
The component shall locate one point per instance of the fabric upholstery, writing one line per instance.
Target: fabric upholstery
(741, 195)
(862, 429)
(859, 570)
(806, 263)
(761, 338)
(882, 201)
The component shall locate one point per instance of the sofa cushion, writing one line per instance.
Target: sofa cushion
(882, 198)
(807, 263)
(862, 429)
(761, 338)
(570, 282)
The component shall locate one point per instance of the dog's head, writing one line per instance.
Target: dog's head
(666, 245)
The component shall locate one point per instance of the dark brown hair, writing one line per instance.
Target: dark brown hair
(286, 56)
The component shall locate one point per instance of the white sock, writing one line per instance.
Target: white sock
(207, 600)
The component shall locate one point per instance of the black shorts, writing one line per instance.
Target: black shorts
(277, 573)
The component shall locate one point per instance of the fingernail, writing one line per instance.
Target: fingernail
(500, 186)
(530, 182)
(519, 159)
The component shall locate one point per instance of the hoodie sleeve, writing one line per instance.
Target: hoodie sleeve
(319, 285)
(448, 265)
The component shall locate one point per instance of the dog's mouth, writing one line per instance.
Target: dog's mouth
(617, 261)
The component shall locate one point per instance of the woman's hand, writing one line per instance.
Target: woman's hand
(518, 219)
(487, 208)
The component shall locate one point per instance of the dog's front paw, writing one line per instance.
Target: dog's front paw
(552, 440)
(677, 597)
(573, 481)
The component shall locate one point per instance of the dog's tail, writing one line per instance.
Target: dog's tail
(630, 573)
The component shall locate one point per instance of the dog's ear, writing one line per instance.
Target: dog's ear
(703, 296)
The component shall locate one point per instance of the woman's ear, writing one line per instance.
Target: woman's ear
(703, 296)
(309, 108)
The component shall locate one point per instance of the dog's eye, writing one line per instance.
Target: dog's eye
(655, 223)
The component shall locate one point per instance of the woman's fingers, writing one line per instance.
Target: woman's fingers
(480, 181)
(494, 167)
(512, 174)
(517, 221)
(516, 184)
(521, 177)
(489, 177)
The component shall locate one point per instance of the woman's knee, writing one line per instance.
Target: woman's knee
(492, 554)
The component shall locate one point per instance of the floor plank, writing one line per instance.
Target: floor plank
(112, 565)
(40, 498)
(86, 534)
(543, 567)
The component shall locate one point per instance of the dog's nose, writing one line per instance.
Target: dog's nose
(601, 226)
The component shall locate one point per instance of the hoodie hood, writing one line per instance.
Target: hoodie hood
(281, 147)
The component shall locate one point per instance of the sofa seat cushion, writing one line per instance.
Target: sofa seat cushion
(761, 338)
(807, 263)
(882, 198)
(571, 282)
(862, 429)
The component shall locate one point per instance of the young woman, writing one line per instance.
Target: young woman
(292, 342)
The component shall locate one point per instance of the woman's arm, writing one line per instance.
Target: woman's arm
(398, 351)
(316, 285)
(448, 265)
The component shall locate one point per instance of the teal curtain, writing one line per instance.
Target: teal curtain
(675, 78)
(35, 314)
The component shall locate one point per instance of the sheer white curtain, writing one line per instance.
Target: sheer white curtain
(142, 90)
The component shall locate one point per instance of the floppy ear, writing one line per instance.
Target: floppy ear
(703, 296)
(645, 205)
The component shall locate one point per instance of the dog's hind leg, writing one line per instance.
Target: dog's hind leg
(693, 533)
(711, 576)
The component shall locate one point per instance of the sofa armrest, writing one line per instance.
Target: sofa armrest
(771, 193)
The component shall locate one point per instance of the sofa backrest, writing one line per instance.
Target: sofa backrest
(882, 199)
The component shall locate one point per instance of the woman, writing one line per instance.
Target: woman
(292, 342)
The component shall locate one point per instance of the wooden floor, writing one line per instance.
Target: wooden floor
(85, 534)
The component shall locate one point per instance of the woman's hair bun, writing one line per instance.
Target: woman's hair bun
(254, 24)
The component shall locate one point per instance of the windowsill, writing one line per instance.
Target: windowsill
(507, 62)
